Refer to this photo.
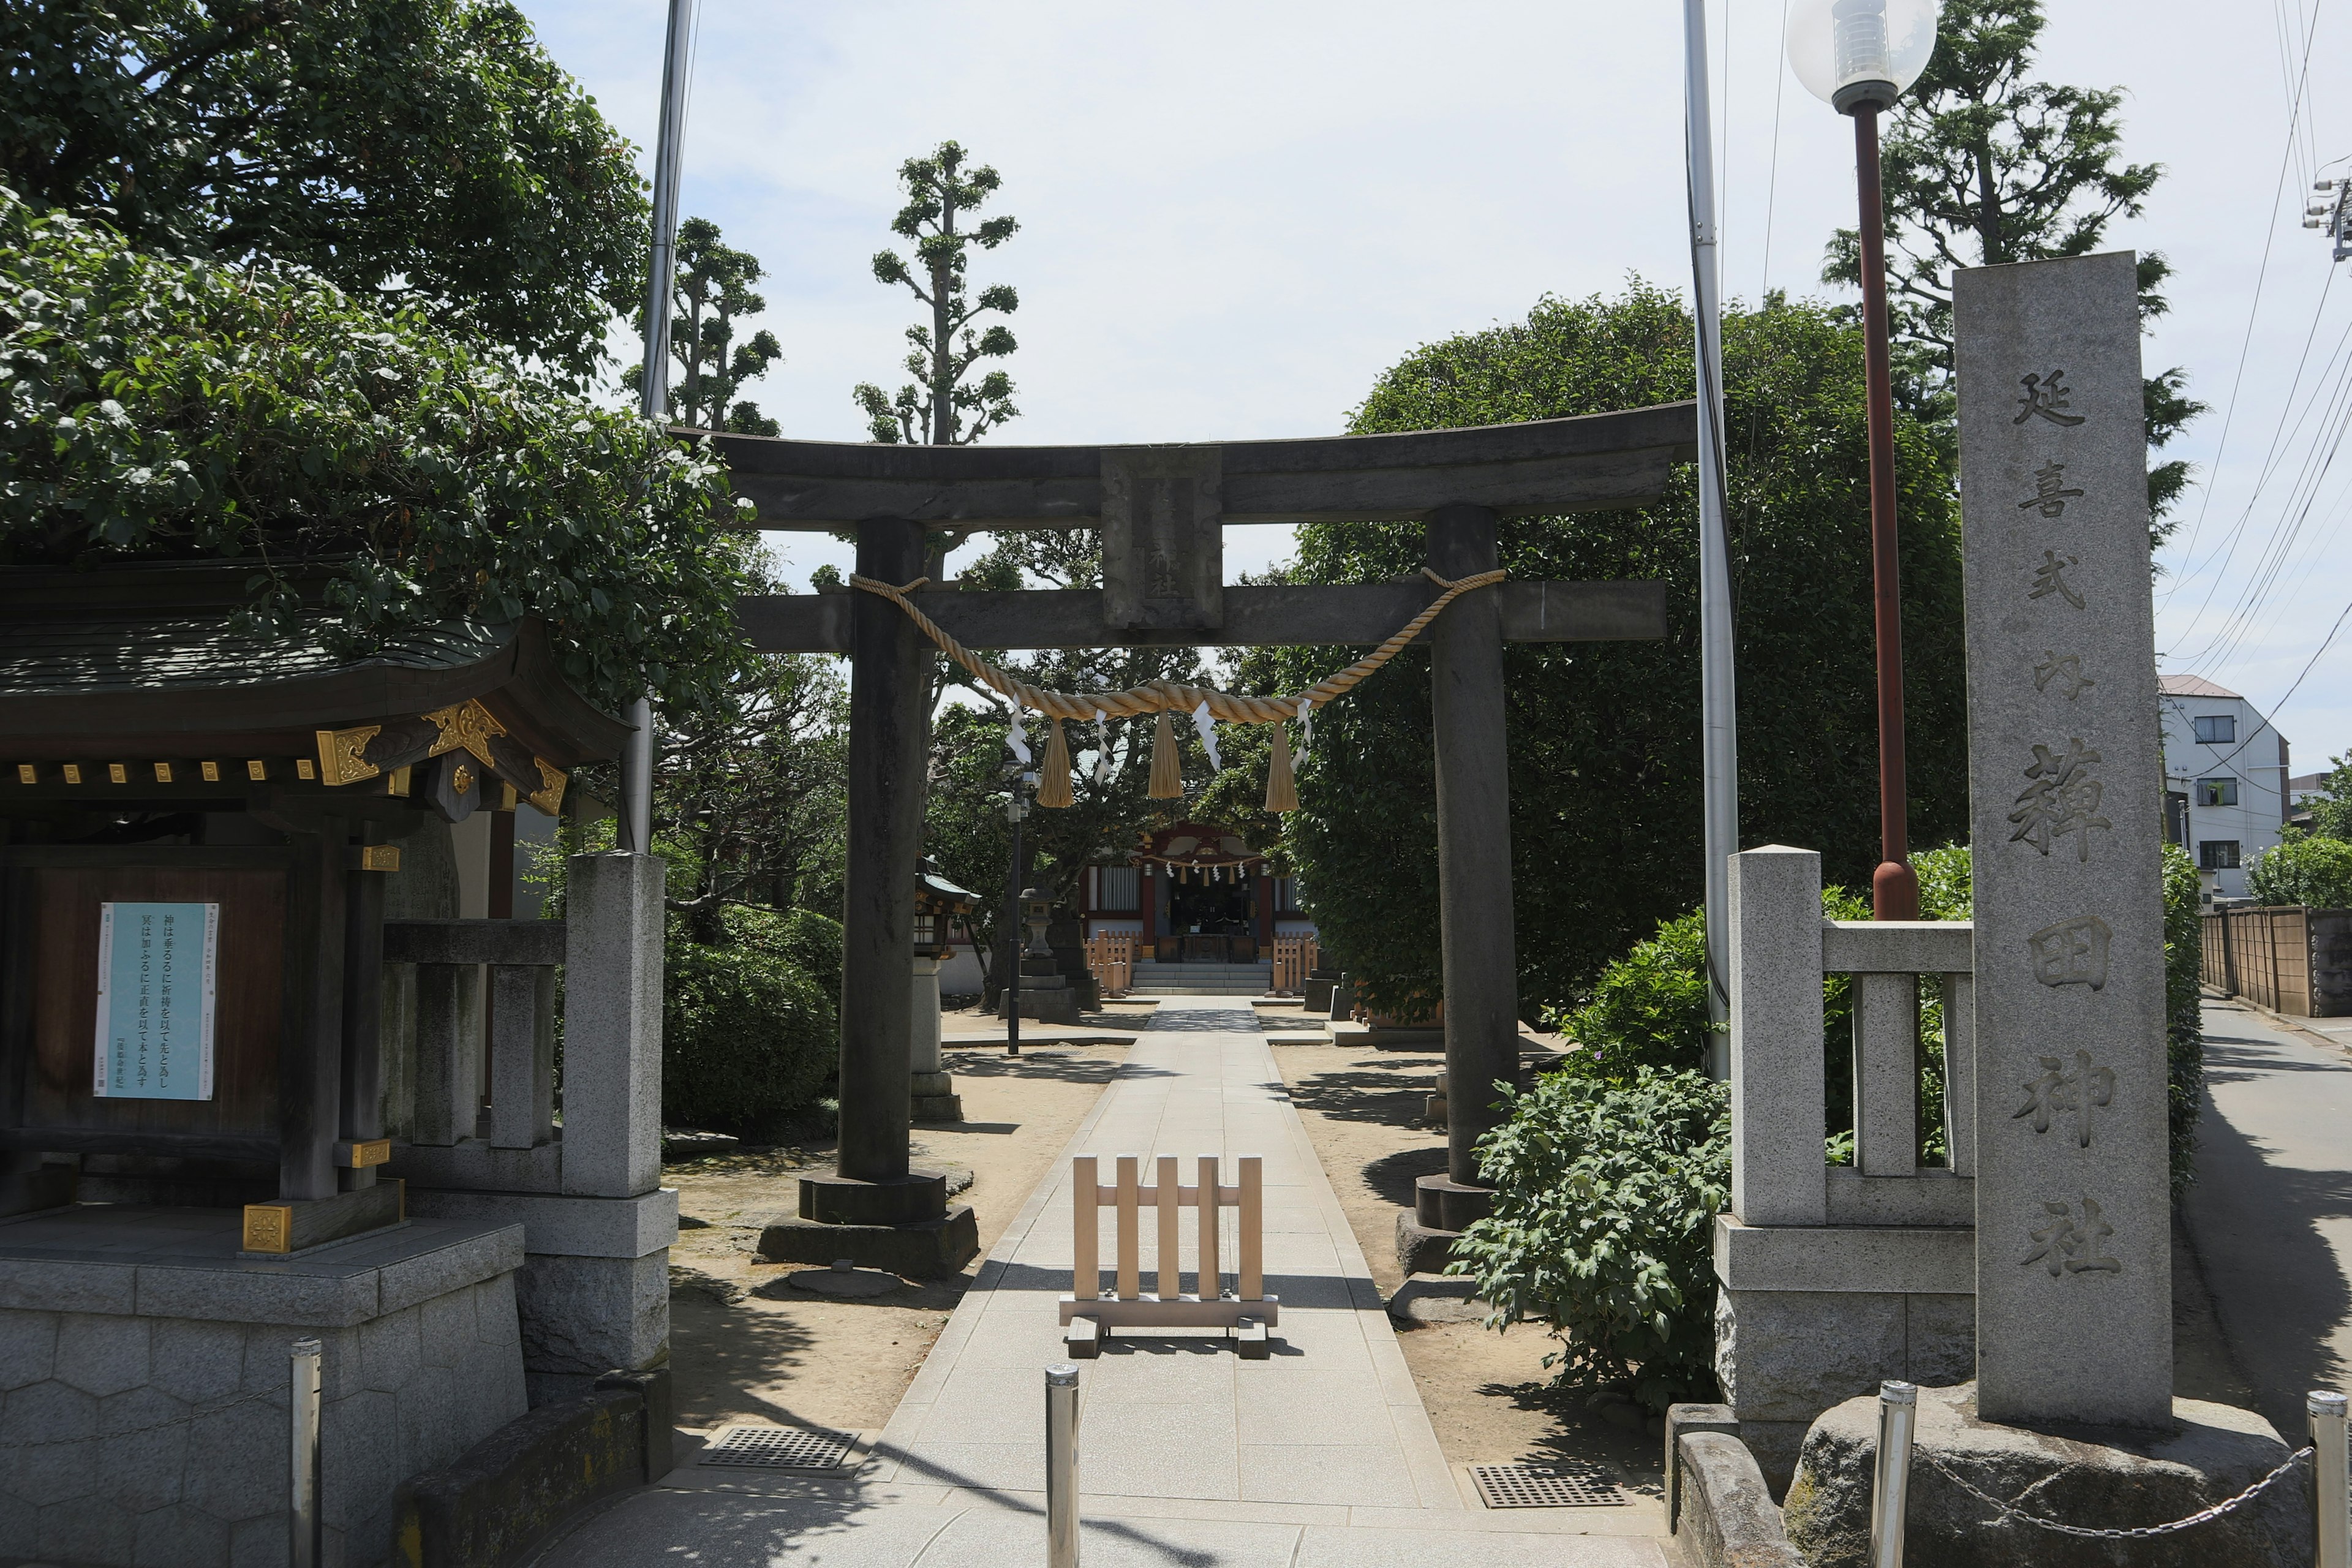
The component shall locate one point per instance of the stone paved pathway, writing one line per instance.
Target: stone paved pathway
(1320, 1455)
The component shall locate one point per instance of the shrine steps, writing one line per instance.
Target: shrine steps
(1152, 978)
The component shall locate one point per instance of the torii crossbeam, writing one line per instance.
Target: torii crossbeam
(1161, 509)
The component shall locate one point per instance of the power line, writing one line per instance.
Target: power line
(2229, 410)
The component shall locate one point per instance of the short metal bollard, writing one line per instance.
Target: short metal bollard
(2331, 1487)
(306, 1530)
(1061, 1466)
(1890, 1490)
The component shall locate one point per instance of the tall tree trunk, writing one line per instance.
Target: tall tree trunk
(942, 275)
(691, 394)
(1990, 240)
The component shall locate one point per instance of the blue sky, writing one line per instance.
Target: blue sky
(1234, 216)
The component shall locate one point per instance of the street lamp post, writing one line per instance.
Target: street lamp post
(1015, 809)
(1858, 55)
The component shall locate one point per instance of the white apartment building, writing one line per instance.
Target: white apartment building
(2225, 779)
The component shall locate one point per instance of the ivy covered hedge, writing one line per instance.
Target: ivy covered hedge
(163, 409)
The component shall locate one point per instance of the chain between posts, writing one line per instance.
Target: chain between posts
(2140, 1532)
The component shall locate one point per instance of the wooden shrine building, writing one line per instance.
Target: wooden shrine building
(194, 833)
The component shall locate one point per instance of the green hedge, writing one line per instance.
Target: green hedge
(2314, 872)
(749, 1035)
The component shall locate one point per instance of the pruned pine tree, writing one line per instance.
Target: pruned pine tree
(710, 291)
(1982, 167)
(941, 407)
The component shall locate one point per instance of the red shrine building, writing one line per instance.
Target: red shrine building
(1194, 893)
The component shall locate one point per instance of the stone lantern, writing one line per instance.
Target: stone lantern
(938, 903)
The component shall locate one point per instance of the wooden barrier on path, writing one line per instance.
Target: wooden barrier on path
(1110, 958)
(1294, 956)
(1089, 1313)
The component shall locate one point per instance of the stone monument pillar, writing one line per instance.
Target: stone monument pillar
(935, 1098)
(2073, 1240)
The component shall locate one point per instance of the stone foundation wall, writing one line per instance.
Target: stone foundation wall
(142, 1439)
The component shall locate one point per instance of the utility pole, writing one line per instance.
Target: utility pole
(1016, 807)
(636, 823)
(1719, 709)
(2331, 215)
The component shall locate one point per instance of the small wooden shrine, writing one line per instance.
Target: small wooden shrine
(195, 830)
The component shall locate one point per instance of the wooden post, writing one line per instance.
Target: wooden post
(362, 1069)
(1169, 1281)
(1474, 836)
(1085, 1229)
(1251, 1284)
(1130, 1269)
(887, 731)
(311, 1052)
(1208, 1287)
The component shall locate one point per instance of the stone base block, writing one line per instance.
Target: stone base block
(928, 1249)
(1421, 1250)
(938, 1107)
(1725, 1518)
(582, 1317)
(1441, 1203)
(1788, 1356)
(829, 1197)
(2079, 1476)
(36, 1187)
(1425, 1298)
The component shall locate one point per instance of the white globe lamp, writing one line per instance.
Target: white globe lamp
(1850, 52)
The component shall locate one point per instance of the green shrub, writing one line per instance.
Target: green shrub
(748, 1039)
(1649, 1007)
(2314, 872)
(809, 941)
(2184, 1031)
(1605, 1198)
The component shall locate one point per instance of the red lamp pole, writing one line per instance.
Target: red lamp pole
(1894, 888)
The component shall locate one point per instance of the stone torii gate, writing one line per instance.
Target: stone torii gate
(1161, 509)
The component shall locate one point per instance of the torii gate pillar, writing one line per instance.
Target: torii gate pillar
(1474, 862)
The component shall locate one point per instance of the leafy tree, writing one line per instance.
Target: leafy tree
(1604, 741)
(2331, 815)
(712, 288)
(938, 407)
(751, 796)
(1983, 166)
(170, 409)
(2314, 872)
(413, 151)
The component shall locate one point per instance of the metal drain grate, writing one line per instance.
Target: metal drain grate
(780, 1447)
(1546, 1486)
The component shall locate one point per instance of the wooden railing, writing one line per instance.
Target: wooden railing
(1110, 959)
(1294, 956)
(1088, 1312)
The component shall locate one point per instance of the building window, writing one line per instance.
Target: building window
(2217, 855)
(2217, 792)
(1119, 890)
(1286, 895)
(2216, 729)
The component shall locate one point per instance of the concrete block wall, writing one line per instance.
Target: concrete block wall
(159, 1441)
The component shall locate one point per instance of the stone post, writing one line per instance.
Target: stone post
(612, 1025)
(2074, 1260)
(934, 1097)
(1474, 860)
(1777, 1072)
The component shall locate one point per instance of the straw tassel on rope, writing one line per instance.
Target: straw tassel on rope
(1281, 789)
(1167, 774)
(1053, 773)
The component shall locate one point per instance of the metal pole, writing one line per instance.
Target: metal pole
(1895, 889)
(1016, 810)
(306, 1530)
(636, 823)
(1890, 1486)
(1718, 709)
(1061, 1466)
(2331, 1494)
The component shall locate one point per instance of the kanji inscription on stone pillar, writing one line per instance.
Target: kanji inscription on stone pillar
(2073, 1238)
